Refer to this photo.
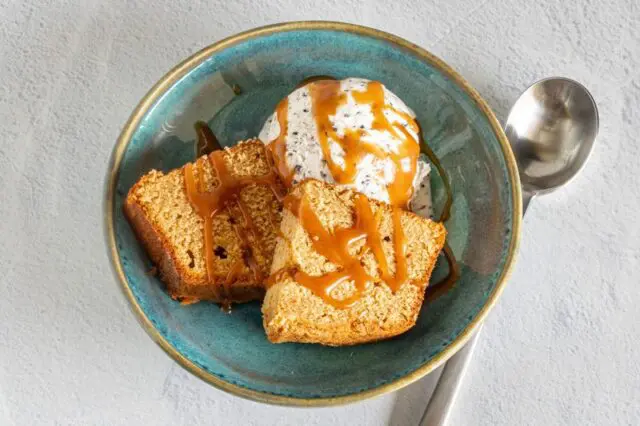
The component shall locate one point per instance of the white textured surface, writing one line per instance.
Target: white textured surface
(560, 348)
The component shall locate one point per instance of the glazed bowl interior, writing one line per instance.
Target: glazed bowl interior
(234, 85)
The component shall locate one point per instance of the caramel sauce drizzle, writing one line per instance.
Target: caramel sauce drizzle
(443, 286)
(327, 98)
(207, 141)
(277, 277)
(335, 247)
(209, 203)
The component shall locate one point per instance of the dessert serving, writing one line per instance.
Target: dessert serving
(327, 216)
(216, 302)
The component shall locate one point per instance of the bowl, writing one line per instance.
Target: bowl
(234, 85)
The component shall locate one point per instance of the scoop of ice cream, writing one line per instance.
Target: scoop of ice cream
(353, 132)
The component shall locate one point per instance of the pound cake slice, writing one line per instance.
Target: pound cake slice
(347, 269)
(226, 257)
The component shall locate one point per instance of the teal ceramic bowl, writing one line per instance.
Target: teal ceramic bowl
(231, 351)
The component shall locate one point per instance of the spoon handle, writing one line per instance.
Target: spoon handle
(449, 383)
(444, 395)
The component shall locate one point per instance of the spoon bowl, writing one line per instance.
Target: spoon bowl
(552, 128)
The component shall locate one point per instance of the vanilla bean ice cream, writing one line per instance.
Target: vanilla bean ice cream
(355, 133)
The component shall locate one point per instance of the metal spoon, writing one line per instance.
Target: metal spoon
(551, 129)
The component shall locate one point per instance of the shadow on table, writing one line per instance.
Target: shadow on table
(412, 400)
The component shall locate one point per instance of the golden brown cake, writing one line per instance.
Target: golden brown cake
(237, 189)
(347, 269)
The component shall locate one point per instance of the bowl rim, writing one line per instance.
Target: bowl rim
(179, 71)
